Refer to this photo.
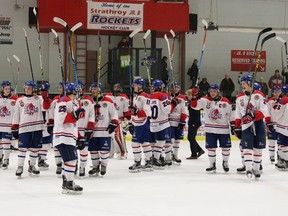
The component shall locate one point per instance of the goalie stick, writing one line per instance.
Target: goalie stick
(39, 43)
(204, 22)
(256, 45)
(145, 51)
(18, 72)
(29, 56)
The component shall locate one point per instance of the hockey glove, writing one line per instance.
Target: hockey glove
(79, 113)
(174, 102)
(195, 93)
(50, 128)
(270, 127)
(112, 126)
(97, 109)
(181, 125)
(131, 128)
(80, 143)
(134, 110)
(44, 95)
(249, 117)
(88, 134)
(238, 132)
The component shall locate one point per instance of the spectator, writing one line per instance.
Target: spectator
(264, 86)
(124, 43)
(193, 73)
(285, 75)
(164, 70)
(194, 123)
(276, 80)
(227, 87)
(203, 87)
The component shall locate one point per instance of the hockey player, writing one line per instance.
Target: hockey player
(217, 111)
(281, 110)
(65, 133)
(46, 137)
(85, 127)
(106, 121)
(7, 102)
(249, 125)
(272, 104)
(140, 128)
(177, 120)
(27, 126)
(161, 107)
(121, 103)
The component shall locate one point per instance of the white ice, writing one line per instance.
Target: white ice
(179, 190)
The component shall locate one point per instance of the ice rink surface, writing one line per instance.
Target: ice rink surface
(178, 190)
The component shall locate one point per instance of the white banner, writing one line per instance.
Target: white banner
(6, 31)
(114, 16)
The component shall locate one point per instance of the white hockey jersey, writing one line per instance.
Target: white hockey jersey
(121, 103)
(65, 130)
(103, 116)
(6, 112)
(142, 103)
(257, 105)
(217, 114)
(28, 114)
(180, 112)
(160, 108)
(88, 122)
(271, 103)
(282, 113)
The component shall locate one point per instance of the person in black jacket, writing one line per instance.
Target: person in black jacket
(193, 73)
(194, 123)
(227, 87)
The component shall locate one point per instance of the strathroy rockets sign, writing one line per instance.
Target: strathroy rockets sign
(114, 16)
(241, 59)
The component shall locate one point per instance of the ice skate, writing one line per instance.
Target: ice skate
(212, 168)
(249, 174)
(225, 166)
(59, 169)
(103, 169)
(163, 161)
(32, 170)
(5, 164)
(1, 160)
(241, 170)
(81, 171)
(71, 188)
(157, 164)
(147, 166)
(176, 160)
(281, 165)
(256, 174)
(272, 159)
(42, 164)
(94, 171)
(64, 181)
(19, 171)
(136, 167)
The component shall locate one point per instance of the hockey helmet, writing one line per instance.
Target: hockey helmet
(70, 88)
(214, 87)
(140, 81)
(284, 89)
(276, 88)
(257, 86)
(96, 85)
(117, 87)
(5, 83)
(81, 84)
(247, 78)
(30, 83)
(44, 86)
(175, 84)
(157, 85)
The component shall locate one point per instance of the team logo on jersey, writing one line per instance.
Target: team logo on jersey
(30, 109)
(215, 114)
(256, 97)
(223, 105)
(85, 103)
(12, 103)
(105, 105)
(21, 103)
(4, 111)
(242, 103)
(208, 106)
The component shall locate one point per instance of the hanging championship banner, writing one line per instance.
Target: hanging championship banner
(6, 36)
(114, 16)
(241, 59)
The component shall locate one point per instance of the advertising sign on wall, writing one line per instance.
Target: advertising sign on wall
(6, 33)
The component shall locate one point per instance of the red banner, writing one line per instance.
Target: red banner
(241, 59)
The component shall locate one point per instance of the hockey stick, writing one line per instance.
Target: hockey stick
(256, 45)
(145, 51)
(173, 45)
(170, 77)
(131, 77)
(286, 52)
(59, 51)
(204, 22)
(12, 71)
(18, 72)
(99, 62)
(268, 37)
(29, 56)
(39, 44)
